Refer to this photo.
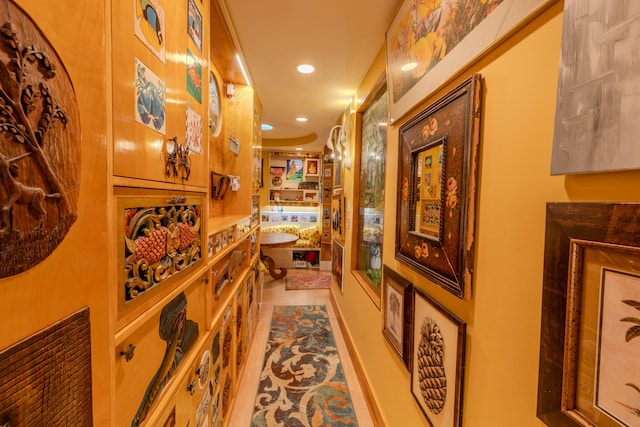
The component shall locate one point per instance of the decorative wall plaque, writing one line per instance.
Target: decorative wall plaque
(46, 378)
(39, 145)
(160, 238)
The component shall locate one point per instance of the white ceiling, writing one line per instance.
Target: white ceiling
(340, 38)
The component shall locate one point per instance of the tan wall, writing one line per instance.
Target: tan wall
(75, 274)
(503, 315)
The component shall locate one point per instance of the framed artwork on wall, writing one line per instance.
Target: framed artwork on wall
(437, 179)
(397, 309)
(596, 111)
(437, 361)
(294, 170)
(589, 372)
(194, 24)
(150, 28)
(337, 262)
(427, 48)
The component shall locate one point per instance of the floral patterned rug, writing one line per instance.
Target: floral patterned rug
(302, 381)
(308, 282)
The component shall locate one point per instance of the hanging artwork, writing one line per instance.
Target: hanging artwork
(180, 335)
(294, 170)
(150, 98)
(194, 77)
(429, 43)
(149, 24)
(598, 102)
(194, 131)
(437, 180)
(589, 372)
(40, 142)
(159, 240)
(437, 361)
(194, 24)
(215, 111)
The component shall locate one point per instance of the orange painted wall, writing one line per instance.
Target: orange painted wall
(503, 315)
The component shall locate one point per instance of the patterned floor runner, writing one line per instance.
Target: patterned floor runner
(308, 282)
(302, 381)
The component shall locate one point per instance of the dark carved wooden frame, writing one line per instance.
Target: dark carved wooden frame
(449, 259)
(570, 228)
(405, 288)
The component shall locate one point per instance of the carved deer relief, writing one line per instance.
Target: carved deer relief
(39, 145)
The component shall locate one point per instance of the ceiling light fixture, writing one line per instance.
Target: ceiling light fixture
(266, 126)
(306, 69)
(244, 72)
(301, 119)
(409, 66)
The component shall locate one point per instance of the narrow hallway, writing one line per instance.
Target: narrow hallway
(274, 293)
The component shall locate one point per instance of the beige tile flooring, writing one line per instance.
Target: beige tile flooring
(274, 293)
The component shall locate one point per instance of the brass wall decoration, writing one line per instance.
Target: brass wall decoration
(161, 238)
(46, 378)
(177, 161)
(39, 145)
(180, 334)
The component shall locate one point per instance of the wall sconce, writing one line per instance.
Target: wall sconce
(330, 145)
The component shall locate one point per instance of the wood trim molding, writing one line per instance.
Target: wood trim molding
(369, 397)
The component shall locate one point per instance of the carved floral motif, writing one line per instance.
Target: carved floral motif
(159, 242)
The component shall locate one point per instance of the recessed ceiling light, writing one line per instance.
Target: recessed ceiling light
(306, 68)
(266, 126)
(301, 119)
(298, 148)
(409, 66)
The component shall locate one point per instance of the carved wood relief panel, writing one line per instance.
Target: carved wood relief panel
(39, 145)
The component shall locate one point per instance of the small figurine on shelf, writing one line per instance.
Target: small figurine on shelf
(276, 196)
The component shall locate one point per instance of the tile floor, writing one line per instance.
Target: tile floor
(274, 293)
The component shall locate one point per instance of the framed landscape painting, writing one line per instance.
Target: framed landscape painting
(589, 368)
(428, 45)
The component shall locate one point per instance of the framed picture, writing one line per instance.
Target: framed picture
(593, 133)
(589, 370)
(150, 27)
(397, 317)
(194, 24)
(337, 262)
(312, 167)
(428, 46)
(294, 170)
(438, 167)
(437, 361)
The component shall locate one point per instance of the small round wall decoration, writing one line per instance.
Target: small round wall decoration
(215, 111)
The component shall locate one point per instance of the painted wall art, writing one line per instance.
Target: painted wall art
(194, 76)
(194, 131)
(397, 313)
(294, 171)
(194, 24)
(598, 100)
(437, 361)
(151, 95)
(40, 142)
(149, 26)
(429, 43)
(337, 262)
(618, 366)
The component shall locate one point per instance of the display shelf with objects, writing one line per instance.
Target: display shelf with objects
(294, 179)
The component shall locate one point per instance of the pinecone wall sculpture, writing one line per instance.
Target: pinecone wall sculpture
(431, 375)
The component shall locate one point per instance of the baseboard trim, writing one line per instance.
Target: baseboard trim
(369, 398)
